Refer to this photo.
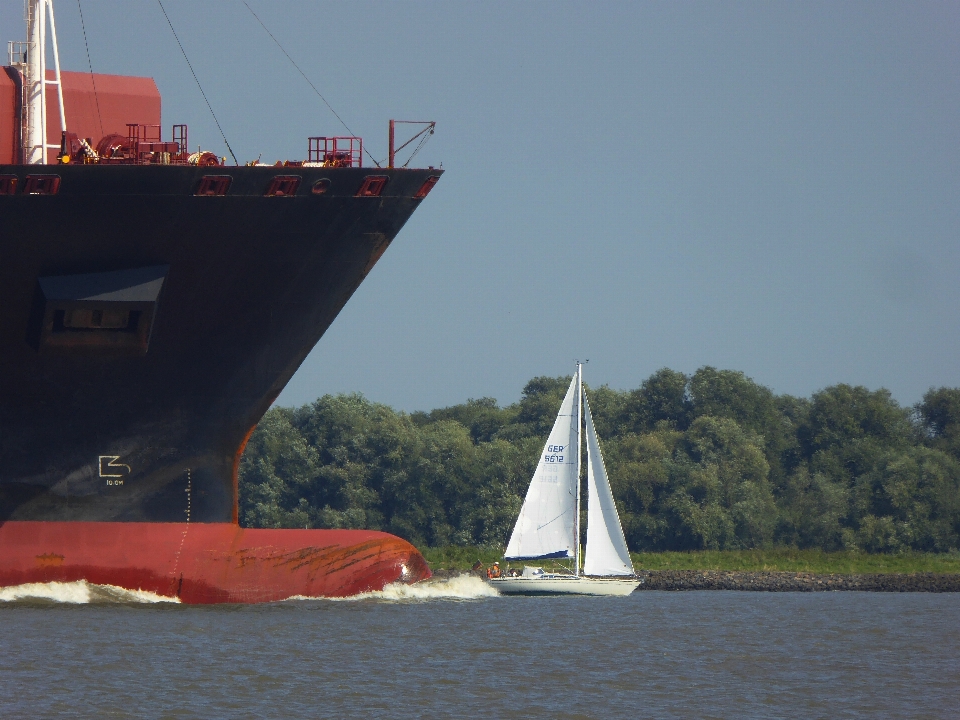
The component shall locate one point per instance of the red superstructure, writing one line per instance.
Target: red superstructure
(118, 101)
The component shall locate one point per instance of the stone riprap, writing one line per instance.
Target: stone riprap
(776, 581)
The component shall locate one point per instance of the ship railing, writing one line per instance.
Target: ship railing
(180, 137)
(340, 151)
(17, 53)
(143, 145)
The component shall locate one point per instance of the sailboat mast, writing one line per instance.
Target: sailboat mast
(576, 534)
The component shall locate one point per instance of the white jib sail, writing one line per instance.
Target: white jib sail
(546, 524)
(607, 552)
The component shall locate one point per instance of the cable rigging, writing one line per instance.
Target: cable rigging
(209, 106)
(424, 135)
(90, 65)
(329, 106)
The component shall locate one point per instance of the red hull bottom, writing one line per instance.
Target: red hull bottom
(207, 562)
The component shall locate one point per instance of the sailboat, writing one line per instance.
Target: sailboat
(549, 523)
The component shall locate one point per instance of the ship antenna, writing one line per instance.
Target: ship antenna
(293, 62)
(209, 106)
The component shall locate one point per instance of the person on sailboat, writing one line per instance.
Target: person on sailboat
(494, 572)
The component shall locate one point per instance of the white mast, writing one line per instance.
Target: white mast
(56, 67)
(35, 143)
(576, 533)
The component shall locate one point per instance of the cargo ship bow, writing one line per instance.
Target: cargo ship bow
(153, 303)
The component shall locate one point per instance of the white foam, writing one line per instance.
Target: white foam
(461, 587)
(79, 592)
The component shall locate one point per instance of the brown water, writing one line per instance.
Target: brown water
(453, 651)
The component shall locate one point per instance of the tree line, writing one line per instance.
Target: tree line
(711, 460)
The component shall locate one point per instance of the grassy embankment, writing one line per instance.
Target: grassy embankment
(784, 559)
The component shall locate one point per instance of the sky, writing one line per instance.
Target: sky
(767, 187)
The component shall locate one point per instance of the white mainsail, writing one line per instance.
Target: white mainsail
(606, 552)
(547, 524)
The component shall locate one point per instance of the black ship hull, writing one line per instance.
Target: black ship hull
(145, 329)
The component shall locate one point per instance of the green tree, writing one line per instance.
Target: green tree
(483, 417)
(277, 472)
(661, 401)
(640, 469)
(909, 501)
(730, 472)
(731, 394)
(537, 409)
(813, 510)
(709, 461)
(848, 429)
(939, 415)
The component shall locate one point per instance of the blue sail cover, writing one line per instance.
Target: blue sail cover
(551, 556)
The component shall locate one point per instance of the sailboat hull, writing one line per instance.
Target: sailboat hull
(564, 585)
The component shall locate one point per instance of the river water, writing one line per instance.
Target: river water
(452, 650)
